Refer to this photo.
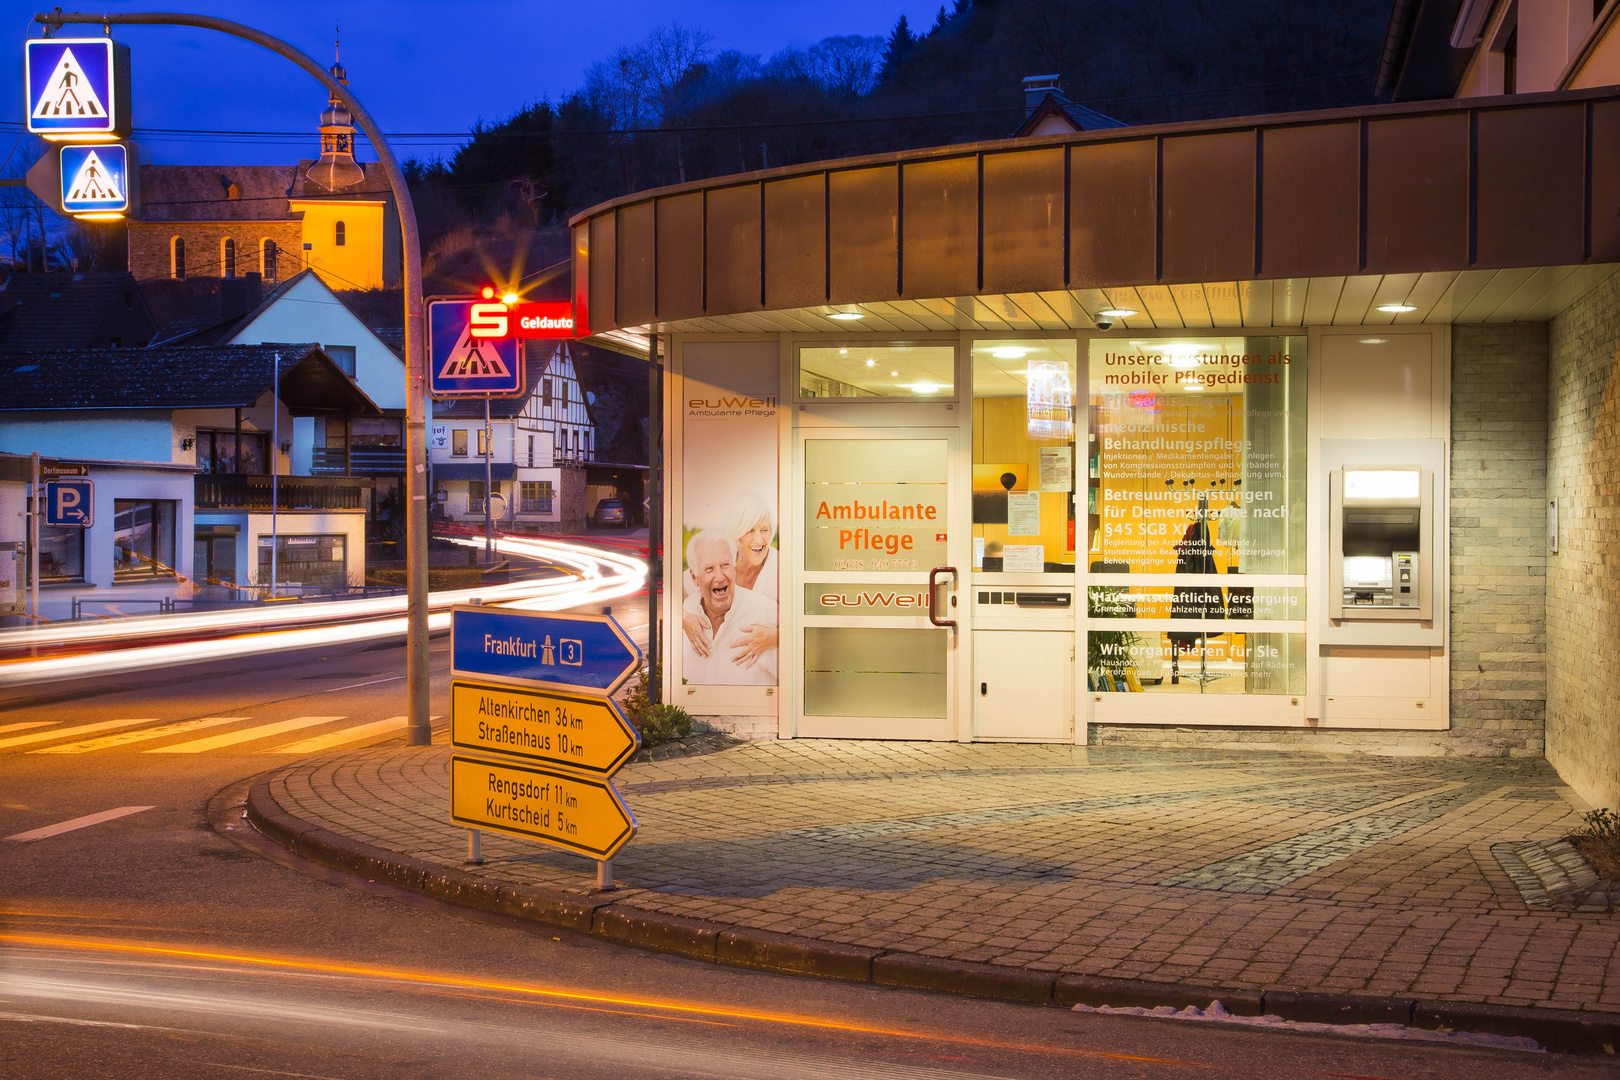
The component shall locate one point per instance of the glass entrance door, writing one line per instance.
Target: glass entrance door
(877, 660)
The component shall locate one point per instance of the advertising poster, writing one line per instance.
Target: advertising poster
(730, 551)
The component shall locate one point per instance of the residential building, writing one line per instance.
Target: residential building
(181, 444)
(73, 311)
(1483, 48)
(333, 215)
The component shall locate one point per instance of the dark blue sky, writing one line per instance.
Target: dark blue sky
(418, 65)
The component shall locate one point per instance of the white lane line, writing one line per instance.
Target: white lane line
(347, 735)
(66, 733)
(373, 682)
(76, 823)
(124, 738)
(27, 724)
(214, 742)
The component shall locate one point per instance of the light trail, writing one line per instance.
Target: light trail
(110, 647)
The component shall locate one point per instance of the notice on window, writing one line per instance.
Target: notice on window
(1023, 558)
(1023, 513)
(1057, 468)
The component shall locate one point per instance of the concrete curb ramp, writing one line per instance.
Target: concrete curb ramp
(719, 943)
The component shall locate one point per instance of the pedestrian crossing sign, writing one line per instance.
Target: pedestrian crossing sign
(461, 365)
(77, 87)
(95, 179)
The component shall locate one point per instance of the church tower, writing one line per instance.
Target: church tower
(336, 170)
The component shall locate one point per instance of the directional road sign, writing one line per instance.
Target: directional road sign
(95, 179)
(461, 365)
(77, 87)
(576, 813)
(589, 734)
(71, 503)
(586, 654)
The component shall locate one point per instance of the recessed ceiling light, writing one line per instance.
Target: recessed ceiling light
(843, 352)
(924, 388)
(846, 316)
(894, 373)
(1117, 312)
(1009, 352)
(1396, 309)
(871, 363)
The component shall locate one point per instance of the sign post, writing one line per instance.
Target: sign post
(533, 692)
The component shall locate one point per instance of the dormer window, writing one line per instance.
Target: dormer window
(338, 234)
(233, 191)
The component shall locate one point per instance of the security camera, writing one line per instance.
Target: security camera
(1104, 323)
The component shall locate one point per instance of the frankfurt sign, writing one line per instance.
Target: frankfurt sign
(545, 650)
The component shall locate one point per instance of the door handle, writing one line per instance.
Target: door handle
(984, 689)
(933, 582)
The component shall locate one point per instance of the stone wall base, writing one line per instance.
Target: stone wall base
(752, 728)
(1454, 743)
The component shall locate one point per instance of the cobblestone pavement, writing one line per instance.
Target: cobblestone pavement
(1346, 874)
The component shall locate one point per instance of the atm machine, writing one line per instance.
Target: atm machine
(1381, 543)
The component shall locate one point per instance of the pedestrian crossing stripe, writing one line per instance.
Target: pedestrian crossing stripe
(474, 358)
(94, 183)
(68, 92)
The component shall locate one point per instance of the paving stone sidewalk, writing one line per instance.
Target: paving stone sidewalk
(1339, 874)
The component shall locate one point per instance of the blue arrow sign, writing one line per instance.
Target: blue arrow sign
(460, 365)
(583, 653)
(77, 86)
(70, 503)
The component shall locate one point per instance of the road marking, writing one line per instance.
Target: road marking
(338, 738)
(214, 742)
(26, 724)
(373, 682)
(82, 729)
(76, 823)
(124, 738)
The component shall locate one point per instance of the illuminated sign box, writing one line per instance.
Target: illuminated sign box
(77, 88)
(95, 180)
(550, 320)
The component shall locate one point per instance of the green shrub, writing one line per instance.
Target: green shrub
(658, 723)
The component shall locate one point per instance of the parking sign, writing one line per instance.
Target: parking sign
(70, 503)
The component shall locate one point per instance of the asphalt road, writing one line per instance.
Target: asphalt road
(173, 941)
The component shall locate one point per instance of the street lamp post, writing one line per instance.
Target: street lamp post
(419, 729)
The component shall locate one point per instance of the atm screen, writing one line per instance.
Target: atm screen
(1368, 572)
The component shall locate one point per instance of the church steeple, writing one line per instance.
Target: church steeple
(337, 169)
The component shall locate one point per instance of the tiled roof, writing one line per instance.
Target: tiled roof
(230, 376)
(59, 311)
(199, 192)
(215, 327)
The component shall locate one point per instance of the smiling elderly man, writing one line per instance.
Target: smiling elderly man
(740, 634)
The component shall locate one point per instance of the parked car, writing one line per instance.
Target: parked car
(610, 512)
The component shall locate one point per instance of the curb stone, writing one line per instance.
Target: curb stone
(597, 914)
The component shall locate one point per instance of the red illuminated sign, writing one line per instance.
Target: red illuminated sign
(488, 321)
(553, 319)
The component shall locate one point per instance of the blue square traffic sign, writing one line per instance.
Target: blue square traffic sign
(95, 179)
(460, 365)
(77, 86)
(70, 503)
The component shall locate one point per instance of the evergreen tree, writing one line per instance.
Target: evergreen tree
(942, 21)
(901, 42)
(962, 8)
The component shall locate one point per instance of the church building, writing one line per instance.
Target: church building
(334, 215)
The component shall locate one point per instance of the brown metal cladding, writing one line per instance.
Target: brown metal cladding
(732, 280)
(1208, 207)
(1023, 221)
(940, 230)
(1532, 180)
(863, 223)
(1531, 188)
(1310, 200)
(603, 271)
(636, 247)
(582, 278)
(1605, 207)
(1417, 194)
(680, 256)
(1113, 213)
(796, 242)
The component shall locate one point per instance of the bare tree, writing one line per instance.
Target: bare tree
(847, 65)
(20, 212)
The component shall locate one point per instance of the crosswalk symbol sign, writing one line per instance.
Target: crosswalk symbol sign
(95, 179)
(460, 365)
(78, 86)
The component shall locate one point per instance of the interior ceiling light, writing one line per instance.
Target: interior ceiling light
(1193, 388)
(845, 352)
(1117, 312)
(1374, 341)
(924, 388)
(1396, 309)
(871, 363)
(894, 373)
(1009, 352)
(846, 316)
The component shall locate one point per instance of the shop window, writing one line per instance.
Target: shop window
(342, 356)
(61, 555)
(214, 555)
(475, 496)
(534, 496)
(878, 371)
(339, 234)
(227, 256)
(177, 256)
(218, 452)
(458, 442)
(143, 539)
(267, 260)
(1024, 403)
(314, 563)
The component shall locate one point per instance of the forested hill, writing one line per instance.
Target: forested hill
(674, 108)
